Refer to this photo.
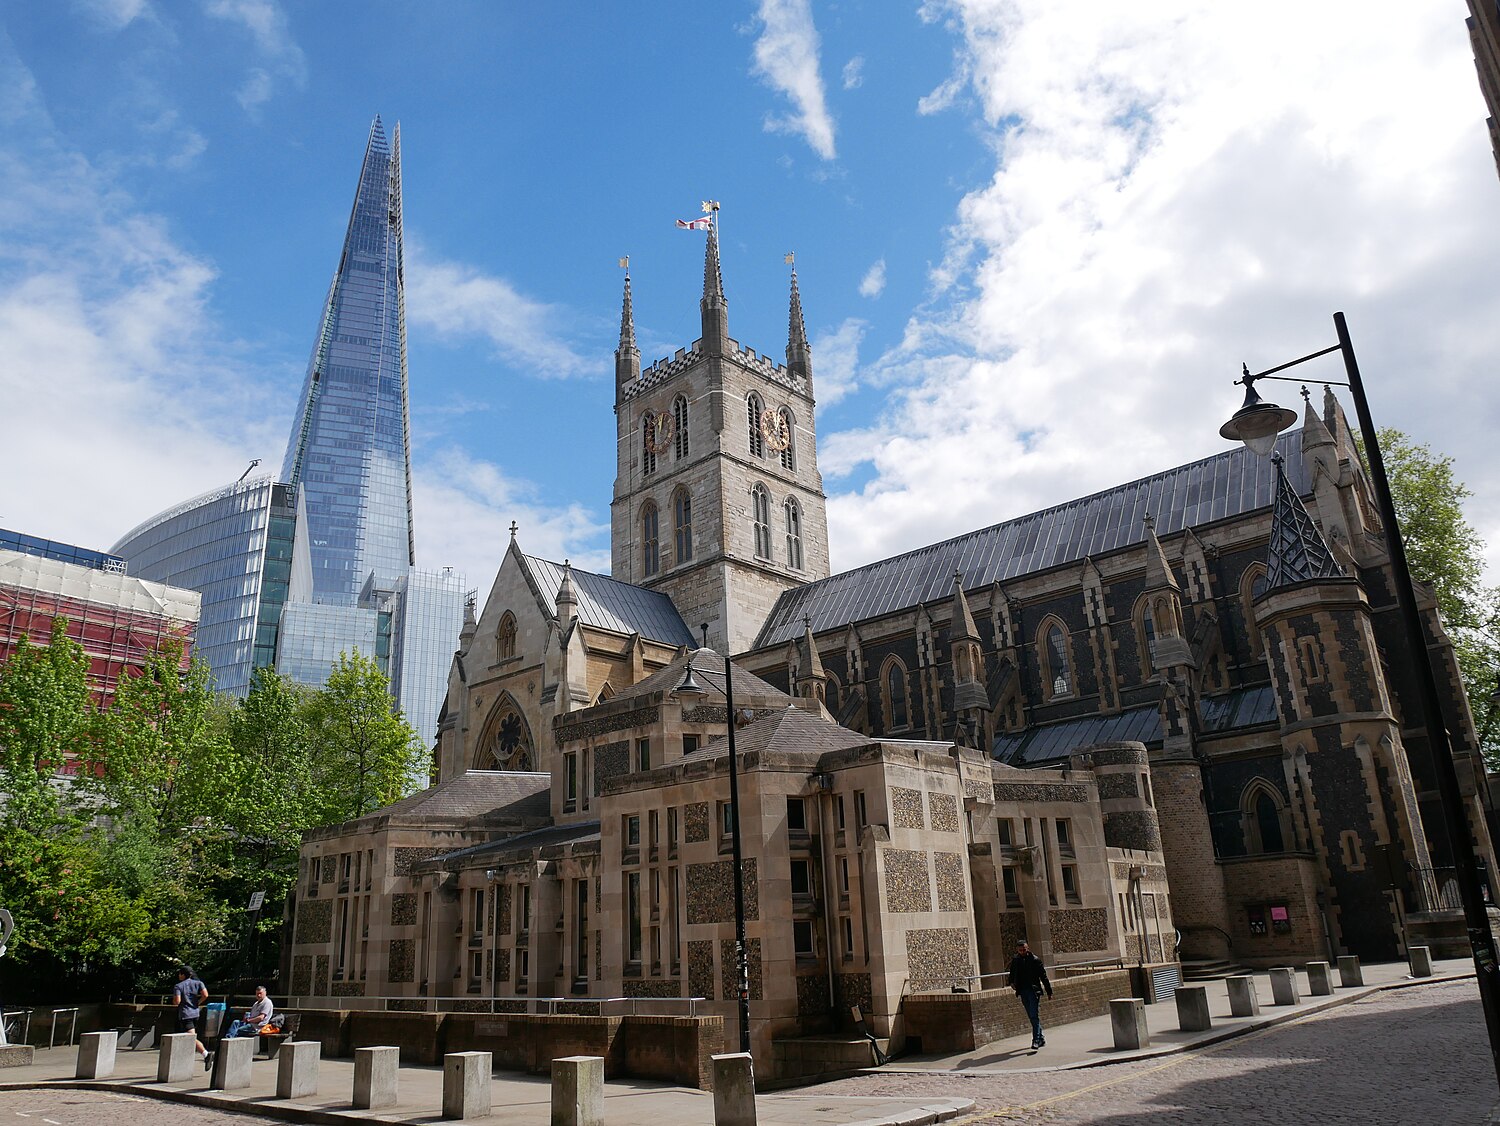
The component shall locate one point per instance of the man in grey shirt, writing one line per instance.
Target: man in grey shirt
(255, 1016)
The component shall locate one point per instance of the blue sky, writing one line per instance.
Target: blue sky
(1034, 243)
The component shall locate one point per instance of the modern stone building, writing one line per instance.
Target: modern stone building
(1167, 721)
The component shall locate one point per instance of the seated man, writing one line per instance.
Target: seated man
(255, 1016)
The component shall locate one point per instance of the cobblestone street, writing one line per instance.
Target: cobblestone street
(90, 1108)
(1407, 1056)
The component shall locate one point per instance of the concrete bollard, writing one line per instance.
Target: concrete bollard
(297, 1069)
(578, 1090)
(1242, 999)
(1284, 986)
(1350, 973)
(734, 1090)
(176, 1060)
(1127, 1018)
(1319, 979)
(375, 1072)
(96, 1055)
(1421, 960)
(1192, 1008)
(232, 1064)
(466, 1084)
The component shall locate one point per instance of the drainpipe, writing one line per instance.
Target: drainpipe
(824, 795)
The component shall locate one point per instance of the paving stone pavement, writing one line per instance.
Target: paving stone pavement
(91, 1108)
(1410, 1056)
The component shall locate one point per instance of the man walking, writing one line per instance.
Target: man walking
(188, 995)
(1028, 977)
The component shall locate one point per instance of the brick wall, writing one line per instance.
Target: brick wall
(961, 1022)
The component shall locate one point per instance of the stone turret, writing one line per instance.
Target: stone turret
(627, 355)
(798, 351)
(970, 703)
(811, 680)
(713, 306)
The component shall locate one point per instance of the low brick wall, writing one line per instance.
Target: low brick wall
(528, 1043)
(673, 1049)
(961, 1022)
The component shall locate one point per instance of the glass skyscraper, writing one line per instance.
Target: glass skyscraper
(321, 563)
(349, 450)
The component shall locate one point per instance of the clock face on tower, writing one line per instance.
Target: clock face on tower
(773, 426)
(658, 432)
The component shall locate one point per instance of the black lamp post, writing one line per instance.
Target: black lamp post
(1257, 424)
(688, 686)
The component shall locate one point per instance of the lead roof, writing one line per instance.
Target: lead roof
(610, 604)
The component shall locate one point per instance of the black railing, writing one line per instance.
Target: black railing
(1437, 889)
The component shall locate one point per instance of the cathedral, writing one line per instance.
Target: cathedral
(1167, 726)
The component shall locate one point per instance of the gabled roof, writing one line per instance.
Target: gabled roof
(791, 730)
(1214, 488)
(487, 794)
(708, 671)
(610, 604)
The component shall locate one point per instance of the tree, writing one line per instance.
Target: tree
(367, 754)
(46, 718)
(1447, 555)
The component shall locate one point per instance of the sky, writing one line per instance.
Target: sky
(1035, 241)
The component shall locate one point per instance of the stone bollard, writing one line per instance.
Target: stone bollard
(375, 1072)
(1127, 1017)
(734, 1090)
(1192, 1008)
(1350, 973)
(1319, 979)
(297, 1068)
(96, 1055)
(578, 1091)
(1421, 960)
(232, 1064)
(466, 1084)
(1284, 986)
(1242, 999)
(176, 1060)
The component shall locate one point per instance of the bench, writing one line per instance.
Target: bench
(269, 1043)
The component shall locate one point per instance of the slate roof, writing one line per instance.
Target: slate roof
(522, 842)
(1201, 492)
(478, 794)
(790, 730)
(708, 670)
(1245, 707)
(613, 605)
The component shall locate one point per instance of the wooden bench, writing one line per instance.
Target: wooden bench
(269, 1043)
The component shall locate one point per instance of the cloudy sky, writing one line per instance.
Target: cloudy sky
(1035, 240)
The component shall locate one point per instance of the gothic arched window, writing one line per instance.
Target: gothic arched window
(648, 436)
(505, 637)
(1057, 668)
(753, 409)
(506, 744)
(650, 539)
(1252, 583)
(682, 524)
(793, 534)
(1263, 816)
(760, 514)
(788, 455)
(1145, 627)
(893, 695)
(680, 425)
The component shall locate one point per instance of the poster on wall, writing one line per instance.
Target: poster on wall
(1257, 917)
(1281, 920)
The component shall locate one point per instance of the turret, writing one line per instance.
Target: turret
(798, 351)
(811, 682)
(714, 308)
(627, 355)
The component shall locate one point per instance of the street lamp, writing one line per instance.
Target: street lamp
(689, 687)
(1256, 424)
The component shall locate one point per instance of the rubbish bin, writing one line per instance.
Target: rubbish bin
(213, 1020)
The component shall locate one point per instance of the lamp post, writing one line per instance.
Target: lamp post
(1257, 423)
(688, 686)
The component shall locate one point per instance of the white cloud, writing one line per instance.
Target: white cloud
(464, 507)
(873, 283)
(854, 73)
(1180, 186)
(269, 29)
(115, 15)
(458, 301)
(836, 362)
(786, 58)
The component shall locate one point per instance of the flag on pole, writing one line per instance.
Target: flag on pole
(710, 206)
(695, 224)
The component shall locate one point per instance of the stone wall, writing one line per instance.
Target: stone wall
(962, 1022)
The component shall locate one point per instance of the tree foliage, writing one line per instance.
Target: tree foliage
(1447, 555)
(182, 804)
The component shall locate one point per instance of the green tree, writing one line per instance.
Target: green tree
(1447, 555)
(46, 718)
(367, 754)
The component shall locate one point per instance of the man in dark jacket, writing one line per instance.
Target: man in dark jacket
(1028, 977)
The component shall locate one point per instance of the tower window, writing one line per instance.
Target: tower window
(760, 510)
(793, 534)
(505, 637)
(650, 540)
(753, 409)
(895, 695)
(648, 453)
(1059, 670)
(788, 456)
(682, 521)
(680, 421)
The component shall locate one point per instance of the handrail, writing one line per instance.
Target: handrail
(524, 1005)
(72, 1027)
(971, 980)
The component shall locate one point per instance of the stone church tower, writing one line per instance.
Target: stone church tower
(718, 501)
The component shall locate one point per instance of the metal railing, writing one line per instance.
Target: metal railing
(973, 983)
(1437, 889)
(504, 1006)
(17, 1024)
(72, 1026)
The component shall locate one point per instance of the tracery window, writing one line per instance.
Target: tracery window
(760, 514)
(505, 637)
(893, 692)
(682, 523)
(1057, 668)
(793, 534)
(680, 425)
(788, 455)
(507, 745)
(753, 409)
(648, 454)
(650, 539)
